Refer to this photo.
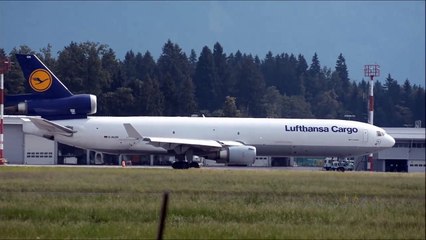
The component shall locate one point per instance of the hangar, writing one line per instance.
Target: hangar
(22, 148)
(408, 154)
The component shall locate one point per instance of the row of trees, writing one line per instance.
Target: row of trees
(217, 84)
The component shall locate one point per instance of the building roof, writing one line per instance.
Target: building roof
(13, 119)
(406, 133)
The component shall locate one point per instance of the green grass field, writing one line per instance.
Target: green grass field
(38, 202)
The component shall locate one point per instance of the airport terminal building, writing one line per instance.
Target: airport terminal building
(408, 154)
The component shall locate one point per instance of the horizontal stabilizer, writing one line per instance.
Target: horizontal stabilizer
(52, 127)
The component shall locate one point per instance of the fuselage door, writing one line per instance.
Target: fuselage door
(365, 135)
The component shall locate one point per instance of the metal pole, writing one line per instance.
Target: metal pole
(2, 160)
(372, 70)
(371, 102)
(371, 117)
(163, 215)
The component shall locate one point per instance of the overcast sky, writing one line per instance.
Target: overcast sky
(391, 34)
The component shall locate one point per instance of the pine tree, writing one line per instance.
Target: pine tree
(205, 79)
(193, 61)
(269, 70)
(72, 67)
(315, 81)
(175, 80)
(272, 102)
(14, 79)
(128, 69)
(230, 107)
(152, 97)
(250, 87)
(302, 67)
(47, 58)
(111, 68)
(418, 108)
(315, 67)
(222, 73)
(139, 85)
(95, 76)
(341, 83)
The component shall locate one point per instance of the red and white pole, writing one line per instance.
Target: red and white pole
(371, 71)
(4, 67)
(371, 101)
(2, 160)
(371, 117)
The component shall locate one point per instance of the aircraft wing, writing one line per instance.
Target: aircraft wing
(173, 143)
(52, 127)
(231, 143)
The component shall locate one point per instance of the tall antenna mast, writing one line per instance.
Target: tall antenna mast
(371, 71)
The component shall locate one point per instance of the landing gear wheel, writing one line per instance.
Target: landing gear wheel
(194, 165)
(180, 165)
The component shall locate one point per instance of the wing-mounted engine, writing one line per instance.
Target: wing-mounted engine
(229, 152)
(234, 155)
(74, 106)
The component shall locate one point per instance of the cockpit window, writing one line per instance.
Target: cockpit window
(380, 134)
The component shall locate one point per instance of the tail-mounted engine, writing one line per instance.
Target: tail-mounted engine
(74, 106)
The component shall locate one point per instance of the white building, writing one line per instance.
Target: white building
(408, 153)
(21, 148)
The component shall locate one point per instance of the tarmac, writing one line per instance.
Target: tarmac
(239, 168)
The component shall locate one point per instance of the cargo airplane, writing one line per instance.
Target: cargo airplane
(234, 141)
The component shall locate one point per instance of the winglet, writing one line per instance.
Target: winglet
(131, 131)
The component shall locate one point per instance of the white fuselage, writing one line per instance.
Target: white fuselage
(271, 137)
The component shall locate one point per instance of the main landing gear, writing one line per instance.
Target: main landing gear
(185, 165)
(182, 163)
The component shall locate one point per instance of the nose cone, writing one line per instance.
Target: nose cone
(389, 141)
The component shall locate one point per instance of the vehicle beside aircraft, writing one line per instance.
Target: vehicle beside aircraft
(234, 141)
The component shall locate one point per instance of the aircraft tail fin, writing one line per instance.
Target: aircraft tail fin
(41, 80)
(49, 97)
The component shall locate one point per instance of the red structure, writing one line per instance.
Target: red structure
(4, 67)
(371, 70)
